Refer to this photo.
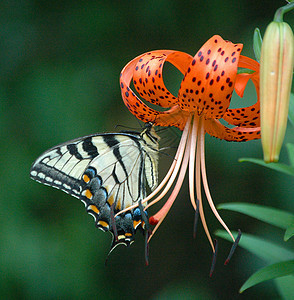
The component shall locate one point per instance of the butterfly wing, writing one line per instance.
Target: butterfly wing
(106, 172)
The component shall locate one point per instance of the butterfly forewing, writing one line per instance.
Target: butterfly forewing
(107, 172)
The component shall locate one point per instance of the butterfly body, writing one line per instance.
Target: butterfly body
(108, 173)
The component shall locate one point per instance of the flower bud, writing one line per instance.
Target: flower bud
(276, 71)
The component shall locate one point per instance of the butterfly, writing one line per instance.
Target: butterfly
(108, 173)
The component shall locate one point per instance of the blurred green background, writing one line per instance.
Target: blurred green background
(59, 68)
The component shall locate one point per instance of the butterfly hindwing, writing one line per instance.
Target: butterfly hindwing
(107, 172)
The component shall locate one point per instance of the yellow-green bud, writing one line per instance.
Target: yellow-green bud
(276, 71)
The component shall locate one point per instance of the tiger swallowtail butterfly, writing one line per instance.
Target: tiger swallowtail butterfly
(108, 173)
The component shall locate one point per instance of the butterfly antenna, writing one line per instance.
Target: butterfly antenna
(196, 218)
(213, 258)
(233, 247)
(125, 127)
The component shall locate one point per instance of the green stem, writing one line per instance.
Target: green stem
(280, 12)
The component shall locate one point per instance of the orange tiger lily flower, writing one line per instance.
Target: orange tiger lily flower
(210, 77)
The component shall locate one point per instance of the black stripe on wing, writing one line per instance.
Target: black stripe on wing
(54, 167)
(57, 179)
(116, 146)
(89, 147)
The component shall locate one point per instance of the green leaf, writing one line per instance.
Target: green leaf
(270, 272)
(290, 149)
(291, 109)
(260, 247)
(271, 253)
(270, 215)
(257, 42)
(289, 232)
(274, 166)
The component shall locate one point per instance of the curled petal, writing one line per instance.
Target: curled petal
(148, 79)
(133, 103)
(248, 63)
(243, 78)
(236, 134)
(209, 81)
(146, 72)
(136, 106)
(245, 116)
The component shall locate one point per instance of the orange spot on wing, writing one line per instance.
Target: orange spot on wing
(103, 224)
(118, 204)
(136, 223)
(110, 200)
(94, 209)
(88, 194)
(86, 178)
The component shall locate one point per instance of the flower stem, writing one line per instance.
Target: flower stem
(282, 10)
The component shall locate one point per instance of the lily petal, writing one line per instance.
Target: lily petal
(146, 72)
(148, 77)
(245, 116)
(133, 103)
(209, 81)
(236, 134)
